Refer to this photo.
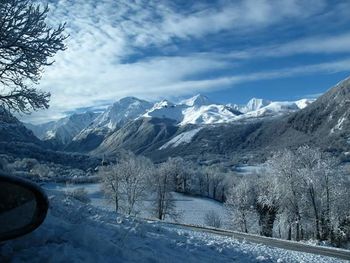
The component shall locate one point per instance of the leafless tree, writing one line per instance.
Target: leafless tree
(240, 204)
(111, 178)
(125, 182)
(162, 185)
(282, 169)
(27, 44)
(211, 218)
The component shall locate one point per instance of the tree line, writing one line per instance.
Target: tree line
(301, 194)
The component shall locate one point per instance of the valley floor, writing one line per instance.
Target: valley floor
(75, 232)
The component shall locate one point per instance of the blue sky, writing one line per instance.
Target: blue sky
(230, 51)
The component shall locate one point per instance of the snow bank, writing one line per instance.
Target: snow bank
(74, 232)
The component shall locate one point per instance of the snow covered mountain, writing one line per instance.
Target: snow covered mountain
(121, 112)
(198, 100)
(199, 110)
(115, 116)
(196, 110)
(260, 108)
(63, 130)
(85, 133)
(252, 105)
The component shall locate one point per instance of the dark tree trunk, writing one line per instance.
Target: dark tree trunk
(267, 216)
(289, 233)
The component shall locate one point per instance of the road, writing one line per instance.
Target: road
(279, 243)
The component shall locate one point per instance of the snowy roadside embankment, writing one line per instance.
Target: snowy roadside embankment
(75, 232)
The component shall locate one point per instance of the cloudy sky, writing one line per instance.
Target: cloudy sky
(228, 50)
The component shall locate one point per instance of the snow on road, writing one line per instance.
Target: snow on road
(74, 232)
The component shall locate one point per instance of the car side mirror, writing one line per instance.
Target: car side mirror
(23, 207)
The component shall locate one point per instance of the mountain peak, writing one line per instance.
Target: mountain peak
(255, 104)
(197, 100)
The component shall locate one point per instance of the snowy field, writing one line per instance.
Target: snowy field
(75, 232)
(192, 210)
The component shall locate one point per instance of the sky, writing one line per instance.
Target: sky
(229, 51)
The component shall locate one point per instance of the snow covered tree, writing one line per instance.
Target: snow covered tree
(282, 168)
(181, 172)
(308, 187)
(211, 218)
(162, 185)
(266, 204)
(125, 183)
(27, 44)
(240, 204)
(216, 177)
(134, 173)
(111, 177)
(319, 175)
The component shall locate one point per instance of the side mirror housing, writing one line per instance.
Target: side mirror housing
(23, 207)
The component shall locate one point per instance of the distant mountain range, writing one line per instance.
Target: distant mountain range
(195, 128)
(87, 130)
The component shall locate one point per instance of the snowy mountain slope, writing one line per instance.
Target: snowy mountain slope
(325, 124)
(116, 115)
(145, 135)
(275, 109)
(166, 110)
(182, 138)
(196, 110)
(113, 117)
(65, 129)
(81, 136)
(196, 101)
(141, 135)
(199, 110)
(208, 114)
(254, 104)
(75, 232)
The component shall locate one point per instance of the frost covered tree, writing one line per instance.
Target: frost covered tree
(319, 175)
(27, 44)
(266, 204)
(181, 172)
(309, 190)
(111, 177)
(282, 168)
(162, 185)
(211, 218)
(125, 182)
(216, 178)
(240, 204)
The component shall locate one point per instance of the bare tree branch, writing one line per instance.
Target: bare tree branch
(27, 44)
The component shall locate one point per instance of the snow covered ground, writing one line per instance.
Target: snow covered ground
(192, 209)
(75, 232)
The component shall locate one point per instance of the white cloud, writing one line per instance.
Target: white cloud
(171, 85)
(106, 35)
(323, 44)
